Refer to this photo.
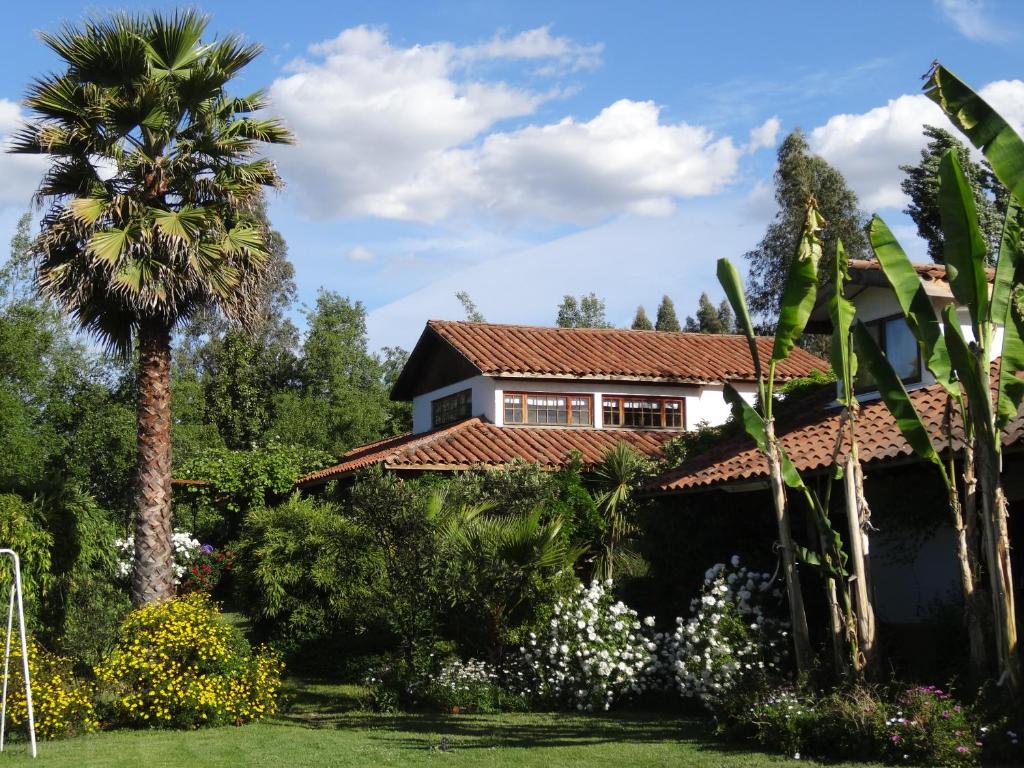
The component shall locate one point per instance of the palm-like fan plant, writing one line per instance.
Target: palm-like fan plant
(148, 211)
(617, 477)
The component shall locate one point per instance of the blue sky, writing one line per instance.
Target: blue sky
(523, 150)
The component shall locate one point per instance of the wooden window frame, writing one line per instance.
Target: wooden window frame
(660, 399)
(880, 323)
(436, 404)
(569, 397)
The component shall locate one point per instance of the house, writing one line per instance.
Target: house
(913, 549)
(485, 394)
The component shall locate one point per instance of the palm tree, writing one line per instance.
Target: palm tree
(617, 476)
(149, 206)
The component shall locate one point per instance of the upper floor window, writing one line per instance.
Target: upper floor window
(650, 412)
(897, 342)
(448, 410)
(545, 408)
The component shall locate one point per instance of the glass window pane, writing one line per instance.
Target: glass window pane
(901, 349)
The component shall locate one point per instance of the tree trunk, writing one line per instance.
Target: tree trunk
(153, 572)
(857, 513)
(797, 613)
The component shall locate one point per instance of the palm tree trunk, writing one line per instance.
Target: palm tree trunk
(795, 595)
(153, 572)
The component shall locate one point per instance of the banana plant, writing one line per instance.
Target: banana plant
(797, 302)
(963, 367)
(844, 364)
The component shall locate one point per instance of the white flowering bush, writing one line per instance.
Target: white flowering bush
(184, 547)
(590, 654)
(465, 686)
(733, 639)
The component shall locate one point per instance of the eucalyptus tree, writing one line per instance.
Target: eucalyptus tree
(150, 211)
(963, 367)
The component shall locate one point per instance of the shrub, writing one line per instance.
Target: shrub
(926, 726)
(205, 569)
(466, 686)
(61, 703)
(179, 664)
(588, 655)
(185, 548)
(732, 643)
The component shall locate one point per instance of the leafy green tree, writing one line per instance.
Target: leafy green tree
(640, 321)
(711, 319)
(667, 320)
(473, 314)
(798, 176)
(586, 312)
(921, 185)
(167, 229)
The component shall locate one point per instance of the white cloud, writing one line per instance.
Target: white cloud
(764, 135)
(20, 174)
(402, 133)
(563, 53)
(971, 19)
(360, 253)
(868, 148)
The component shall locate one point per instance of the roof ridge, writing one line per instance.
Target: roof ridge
(557, 328)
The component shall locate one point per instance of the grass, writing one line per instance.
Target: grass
(322, 726)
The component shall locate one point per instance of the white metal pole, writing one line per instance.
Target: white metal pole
(7, 666)
(24, 648)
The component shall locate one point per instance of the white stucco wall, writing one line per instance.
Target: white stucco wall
(703, 403)
(483, 401)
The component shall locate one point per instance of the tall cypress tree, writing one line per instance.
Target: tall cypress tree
(667, 320)
(640, 321)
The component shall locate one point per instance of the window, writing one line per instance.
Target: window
(448, 410)
(543, 408)
(897, 342)
(649, 412)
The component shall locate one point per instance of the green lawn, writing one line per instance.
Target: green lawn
(323, 727)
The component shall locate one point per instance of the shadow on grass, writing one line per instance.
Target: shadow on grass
(337, 707)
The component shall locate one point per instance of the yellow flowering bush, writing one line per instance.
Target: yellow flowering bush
(61, 702)
(178, 664)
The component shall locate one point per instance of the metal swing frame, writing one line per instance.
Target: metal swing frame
(16, 596)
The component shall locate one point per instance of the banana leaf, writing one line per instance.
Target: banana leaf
(895, 397)
(917, 307)
(963, 246)
(731, 283)
(844, 362)
(986, 129)
(975, 381)
(801, 287)
(1009, 291)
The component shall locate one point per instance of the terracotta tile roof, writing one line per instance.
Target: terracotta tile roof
(475, 443)
(927, 272)
(808, 435)
(612, 353)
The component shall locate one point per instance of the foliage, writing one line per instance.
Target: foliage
(799, 175)
(616, 480)
(473, 314)
(586, 312)
(666, 319)
(921, 725)
(179, 664)
(61, 702)
(711, 319)
(640, 321)
(184, 549)
(921, 185)
(733, 642)
(307, 572)
(234, 482)
(22, 530)
(589, 655)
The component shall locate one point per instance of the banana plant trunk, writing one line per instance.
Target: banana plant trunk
(965, 521)
(797, 613)
(153, 569)
(857, 513)
(997, 559)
